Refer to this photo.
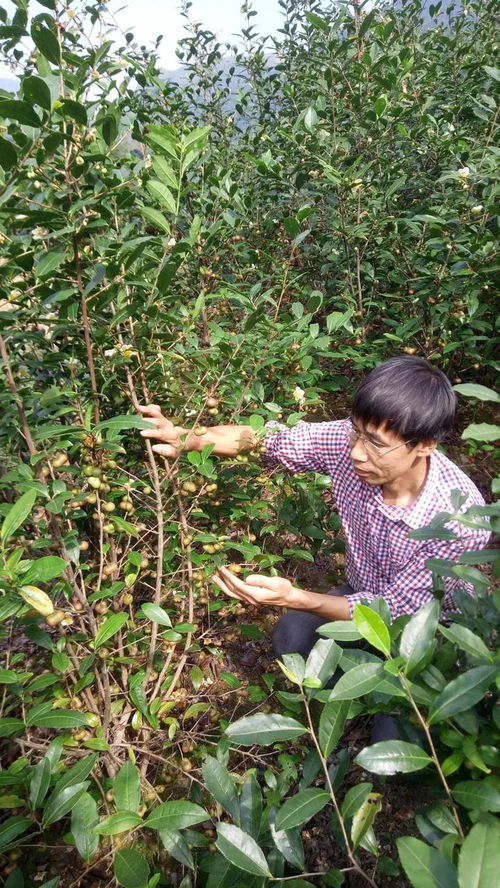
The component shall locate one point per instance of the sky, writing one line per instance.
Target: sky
(149, 18)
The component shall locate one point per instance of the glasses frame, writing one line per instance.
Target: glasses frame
(380, 449)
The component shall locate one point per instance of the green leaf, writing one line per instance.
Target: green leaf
(467, 641)
(8, 154)
(74, 110)
(10, 676)
(425, 866)
(198, 136)
(162, 194)
(35, 90)
(241, 850)
(163, 137)
(341, 630)
(462, 693)
(156, 614)
(380, 105)
(331, 724)
(83, 819)
(482, 431)
(11, 828)
(364, 817)
(17, 514)
(264, 729)
(60, 803)
(165, 172)
(293, 666)
(126, 526)
(288, 843)
(479, 860)
(77, 773)
(40, 782)
(176, 815)
(47, 264)
(23, 112)
(156, 218)
(221, 785)
(175, 844)
(117, 823)
(310, 118)
(492, 72)
(392, 757)
(359, 680)
(44, 569)
(475, 390)
(46, 41)
(109, 128)
(322, 661)
(110, 627)
(477, 795)
(301, 807)
(10, 726)
(250, 802)
(131, 869)
(372, 627)
(11, 801)
(127, 788)
(418, 636)
(354, 798)
(121, 423)
(317, 22)
(57, 718)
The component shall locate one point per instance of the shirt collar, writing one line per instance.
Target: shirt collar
(418, 514)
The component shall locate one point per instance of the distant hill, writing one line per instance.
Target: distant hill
(180, 75)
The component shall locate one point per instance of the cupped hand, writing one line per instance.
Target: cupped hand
(257, 589)
(166, 432)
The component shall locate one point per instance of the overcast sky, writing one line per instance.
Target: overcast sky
(148, 18)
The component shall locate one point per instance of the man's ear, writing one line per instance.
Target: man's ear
(425, 448)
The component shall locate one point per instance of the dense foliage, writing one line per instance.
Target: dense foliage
(237, 246)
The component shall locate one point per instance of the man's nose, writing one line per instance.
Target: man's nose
(358, 451)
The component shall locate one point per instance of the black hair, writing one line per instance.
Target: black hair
(408, 396)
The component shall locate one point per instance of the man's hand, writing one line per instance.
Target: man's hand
(169, 434)
(279, 592)
(258, 589)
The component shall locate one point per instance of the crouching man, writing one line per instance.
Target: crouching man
(389, 478)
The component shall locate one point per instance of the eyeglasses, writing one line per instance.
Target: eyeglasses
(380, 449)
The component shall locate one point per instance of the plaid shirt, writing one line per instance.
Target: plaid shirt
(380, 558)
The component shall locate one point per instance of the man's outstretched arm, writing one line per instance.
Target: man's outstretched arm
(259, 590)
(228, 440)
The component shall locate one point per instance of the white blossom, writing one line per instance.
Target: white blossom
(299, 395)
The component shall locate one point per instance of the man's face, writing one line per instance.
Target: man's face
(380, 456)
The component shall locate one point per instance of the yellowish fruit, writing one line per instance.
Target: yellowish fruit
(55, 618)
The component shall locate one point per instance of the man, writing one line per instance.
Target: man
(389, 478)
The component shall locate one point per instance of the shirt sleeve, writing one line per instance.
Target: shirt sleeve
(412, 587)
(308, 446)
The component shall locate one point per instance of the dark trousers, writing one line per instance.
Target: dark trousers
(296, 633)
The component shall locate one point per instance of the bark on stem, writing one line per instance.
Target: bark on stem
(86, 330)
(11, 384)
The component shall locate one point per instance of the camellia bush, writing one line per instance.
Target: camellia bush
(238, 244)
